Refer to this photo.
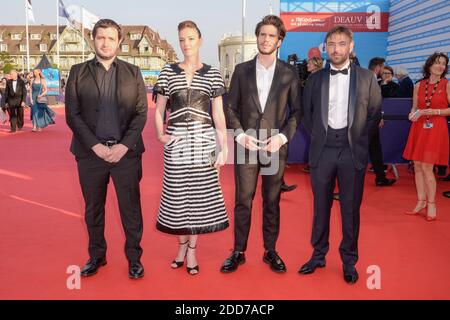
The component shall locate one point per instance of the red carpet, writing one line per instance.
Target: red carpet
(42, 233)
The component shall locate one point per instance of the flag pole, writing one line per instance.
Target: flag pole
(26, 30)
(243, 31)
(57, 33)
(82, 29)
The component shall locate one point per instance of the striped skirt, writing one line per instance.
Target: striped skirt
(191, 200)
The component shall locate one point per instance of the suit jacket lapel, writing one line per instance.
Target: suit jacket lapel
(253, 88)
(325, 96)
(274, 85)
(352, 95)
(119, 86)
(91, 67)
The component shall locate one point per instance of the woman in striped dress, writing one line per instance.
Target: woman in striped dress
(191, 200)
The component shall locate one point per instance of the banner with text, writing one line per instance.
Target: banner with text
(307, 23)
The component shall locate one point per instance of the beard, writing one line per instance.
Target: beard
(267, 51)
(338, 59)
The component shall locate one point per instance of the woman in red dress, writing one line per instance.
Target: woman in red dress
(428, 141)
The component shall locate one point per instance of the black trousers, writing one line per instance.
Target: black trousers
(246, 178)
(336, 163)
(15, 117)
(94, 174)
(376, 155)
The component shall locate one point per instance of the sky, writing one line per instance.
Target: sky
(213, 17)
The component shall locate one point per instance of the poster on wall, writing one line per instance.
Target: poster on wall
(52, 79)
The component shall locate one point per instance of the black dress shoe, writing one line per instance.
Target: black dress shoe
(287, 188)
(92, 266)
(350, 275)
(384, 182)
(233, 262)
(135, 270)
(273, 259)
(311, 266)
(446, 194)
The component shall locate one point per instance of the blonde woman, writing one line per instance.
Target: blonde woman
(41, 114)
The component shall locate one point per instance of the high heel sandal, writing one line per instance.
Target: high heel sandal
(178, 264)
(196, 268)
(414, 212)
(430, 218)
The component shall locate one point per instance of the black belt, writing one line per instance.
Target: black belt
(110, 143)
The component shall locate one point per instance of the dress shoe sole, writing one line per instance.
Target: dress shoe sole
(312, 270)
(93, 273)
(232, 270)
(271, 268)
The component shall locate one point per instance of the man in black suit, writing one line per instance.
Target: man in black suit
(15, 97)
(263, 107)
(106, 108)
(376, 65)
(341, 109)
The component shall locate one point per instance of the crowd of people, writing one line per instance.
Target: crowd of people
(22, 90)
(106, 109)
(265, 104)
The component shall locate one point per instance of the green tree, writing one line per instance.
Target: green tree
(6, 62)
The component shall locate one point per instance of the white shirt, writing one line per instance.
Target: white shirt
(338, 98)
(264, 78)
(14, 83)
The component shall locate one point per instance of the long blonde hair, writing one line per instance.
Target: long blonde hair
(41, 75)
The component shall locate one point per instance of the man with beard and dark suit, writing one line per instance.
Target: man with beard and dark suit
(15, 97)
(341, 107)
(106, 108)
(263, 107)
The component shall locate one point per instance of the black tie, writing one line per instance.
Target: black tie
(335, 72)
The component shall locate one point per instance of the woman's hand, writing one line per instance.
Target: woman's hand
(221, 158)
(429, 112)
(165, 138)
(414, 116)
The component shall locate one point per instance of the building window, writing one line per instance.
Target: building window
(35, 36)
(43, 47)
(23, 48)
(125, 48)
(16, 36)
(52, 36)
(135, 36)
(3, 47)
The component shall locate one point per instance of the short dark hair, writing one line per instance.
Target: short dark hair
(375, 62)
(339, 30)
(431, 60)
(274, 21)
(107, 23)
(189, 24)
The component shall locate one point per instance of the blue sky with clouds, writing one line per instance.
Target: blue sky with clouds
(212, 16)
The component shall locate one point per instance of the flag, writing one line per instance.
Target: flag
(29, 9)
(76, 18)
(89, 19)
(62, 12)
